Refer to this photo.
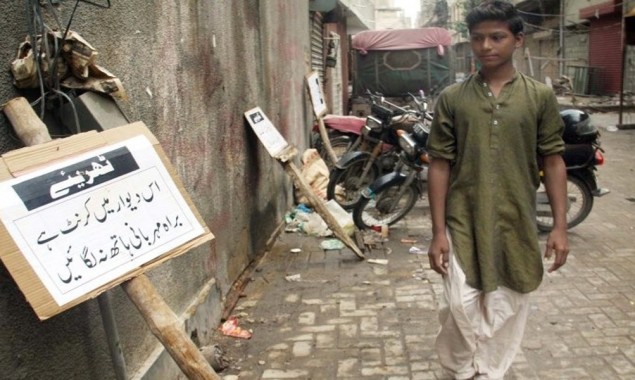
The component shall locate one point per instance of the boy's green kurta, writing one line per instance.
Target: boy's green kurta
(493, 144)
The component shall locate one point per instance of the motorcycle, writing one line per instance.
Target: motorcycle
(375, 152)
(582, 155)
(390, 197)
(343, 131)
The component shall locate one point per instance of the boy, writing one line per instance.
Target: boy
(489, 135)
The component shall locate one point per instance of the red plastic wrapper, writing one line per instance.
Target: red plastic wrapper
(231, 328)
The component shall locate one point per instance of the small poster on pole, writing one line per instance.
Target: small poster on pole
(267, 133)
(317, 96)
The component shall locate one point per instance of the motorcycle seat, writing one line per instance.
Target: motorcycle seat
(578, 155)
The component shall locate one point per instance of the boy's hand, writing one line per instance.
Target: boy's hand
(438, 253)
(557, 242)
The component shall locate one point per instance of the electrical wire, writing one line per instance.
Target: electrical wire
(48, 56)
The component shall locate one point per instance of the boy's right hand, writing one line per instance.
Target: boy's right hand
(439, 253)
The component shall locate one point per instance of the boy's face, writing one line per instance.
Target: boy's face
(494, 44)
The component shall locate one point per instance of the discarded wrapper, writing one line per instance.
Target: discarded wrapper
(231, 328)
(293, 277)
(408, 241)
(378, 261)
(416, 251)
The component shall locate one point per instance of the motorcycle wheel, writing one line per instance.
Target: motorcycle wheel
(377, 209)
(340, 144)
(345, 185)
(579, 204)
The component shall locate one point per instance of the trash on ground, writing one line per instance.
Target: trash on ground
(215, 356)
(332, 244)
(612, 128)
(420, 274)
(230, 328)
(304, 219)
(293, 277)
(408, 241)
(295, 250)
(416, 251)
(378, 261)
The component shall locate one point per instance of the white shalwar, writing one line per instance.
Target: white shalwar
(480, 332)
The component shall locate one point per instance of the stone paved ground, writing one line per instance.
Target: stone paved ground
(348, 319)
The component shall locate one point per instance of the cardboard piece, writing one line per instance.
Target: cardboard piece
(76, 194)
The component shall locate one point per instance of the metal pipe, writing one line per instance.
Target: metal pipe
(112, 336)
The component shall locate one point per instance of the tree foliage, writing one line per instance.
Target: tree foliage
(465, 6)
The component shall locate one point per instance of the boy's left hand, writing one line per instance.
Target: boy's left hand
(557, 243)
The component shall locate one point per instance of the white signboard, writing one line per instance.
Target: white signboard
(86, 221)
(315, 91)
(266, 131)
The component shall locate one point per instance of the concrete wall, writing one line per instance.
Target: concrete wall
(205, 63)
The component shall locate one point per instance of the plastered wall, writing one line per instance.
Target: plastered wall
(191, 69)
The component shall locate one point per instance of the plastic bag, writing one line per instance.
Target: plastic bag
(316, 174)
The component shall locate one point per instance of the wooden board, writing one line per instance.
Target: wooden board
(50, 180)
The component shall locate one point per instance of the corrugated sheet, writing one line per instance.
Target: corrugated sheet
(605, 53)
(317, 44)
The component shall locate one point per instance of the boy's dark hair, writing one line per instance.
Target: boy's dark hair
(495, 10)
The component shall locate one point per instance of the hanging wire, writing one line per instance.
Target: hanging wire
(47, 55)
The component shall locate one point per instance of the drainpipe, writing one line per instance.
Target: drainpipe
(561, 39)
(624, 51)
(112, 335)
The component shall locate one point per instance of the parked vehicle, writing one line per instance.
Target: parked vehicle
(582, 156)
(390, 197)
(376, 151)
(343, 131)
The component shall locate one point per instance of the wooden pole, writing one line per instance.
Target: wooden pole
(325, 140)
(29, 128)
(168, 329)
(320, 207)
(161, 320)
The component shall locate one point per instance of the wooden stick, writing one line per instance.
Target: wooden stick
(161, 320)
(325, 140)
(320, 207)
(27, 125)
(168, 329)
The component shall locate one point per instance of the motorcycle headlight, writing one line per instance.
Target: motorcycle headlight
(408, 144)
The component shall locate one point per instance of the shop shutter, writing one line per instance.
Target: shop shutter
(317, 45)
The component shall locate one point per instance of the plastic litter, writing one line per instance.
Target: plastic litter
(416, 251)
(332, 244)
(378, 261)
(295, 250)
(293, 277)
(231, 328)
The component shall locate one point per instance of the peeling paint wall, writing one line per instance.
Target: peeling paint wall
(191, 69)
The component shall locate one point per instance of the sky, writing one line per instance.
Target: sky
(410, 7)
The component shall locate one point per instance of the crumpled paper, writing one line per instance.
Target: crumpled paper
(76, 65)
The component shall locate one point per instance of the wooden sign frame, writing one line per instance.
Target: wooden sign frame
(23, 162)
